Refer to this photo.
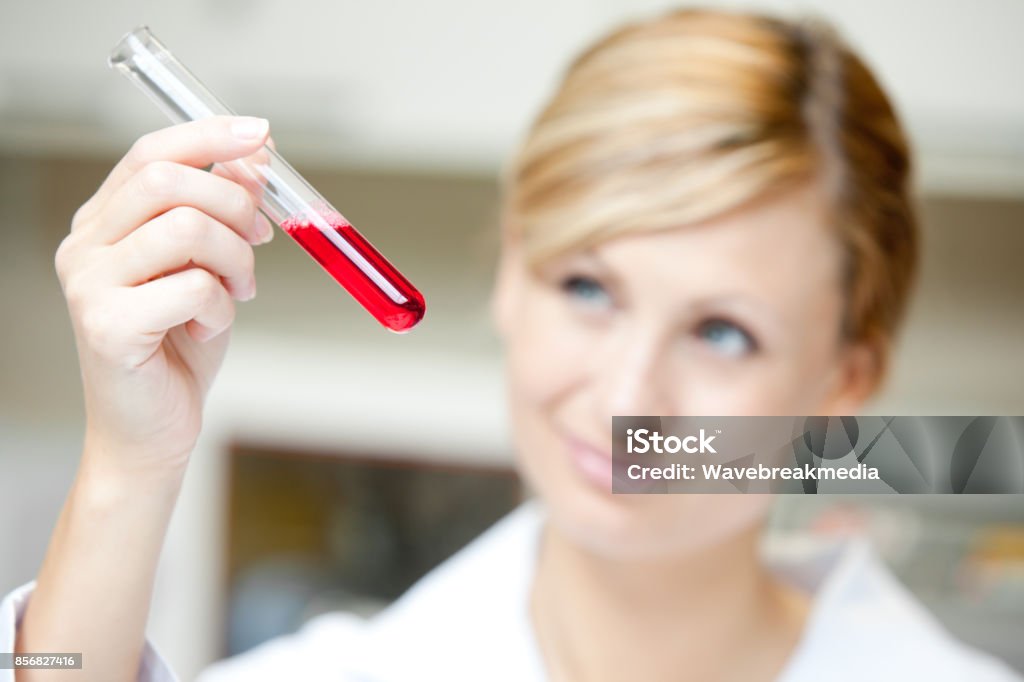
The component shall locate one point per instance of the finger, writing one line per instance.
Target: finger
(260, 156)
(196, 143)
(173, 241)
(247, 170)
(251, 173)
(192, 297)
(163, 185)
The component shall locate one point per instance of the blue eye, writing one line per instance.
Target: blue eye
(586, 290)
(727, 338)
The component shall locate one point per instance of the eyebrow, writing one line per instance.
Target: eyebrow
(739, 303)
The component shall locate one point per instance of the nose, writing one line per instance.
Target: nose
(633, 377)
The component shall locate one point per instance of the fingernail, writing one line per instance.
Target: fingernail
(249, 128)
(204, 334)
(250, 289)
(264, 230)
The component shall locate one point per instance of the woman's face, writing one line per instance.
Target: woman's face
(736, 316)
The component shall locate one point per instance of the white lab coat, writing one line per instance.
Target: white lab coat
(467, 620)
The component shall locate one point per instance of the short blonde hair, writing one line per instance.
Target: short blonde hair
(679, 119)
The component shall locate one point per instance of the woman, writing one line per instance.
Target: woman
(711, 216)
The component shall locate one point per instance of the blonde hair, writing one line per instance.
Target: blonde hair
(678, 119)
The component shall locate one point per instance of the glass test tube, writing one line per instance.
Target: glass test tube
(284, 196)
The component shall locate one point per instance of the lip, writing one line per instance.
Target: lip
(593, 464)
(597, 467)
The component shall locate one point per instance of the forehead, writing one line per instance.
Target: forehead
(778, 250)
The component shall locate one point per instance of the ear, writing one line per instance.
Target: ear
(508, 285)
(858, 376)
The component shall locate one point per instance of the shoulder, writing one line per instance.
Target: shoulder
(471, 611)
(865, 624)
(446, 624)
(320, 649)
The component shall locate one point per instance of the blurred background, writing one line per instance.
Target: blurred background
(339, 462)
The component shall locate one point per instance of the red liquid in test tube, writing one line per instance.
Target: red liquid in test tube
(361, 269)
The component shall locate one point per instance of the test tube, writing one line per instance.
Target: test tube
(284, 196)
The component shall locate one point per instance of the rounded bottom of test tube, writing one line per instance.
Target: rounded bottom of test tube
(411, 315)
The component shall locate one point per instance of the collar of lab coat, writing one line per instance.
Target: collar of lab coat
(469, 618)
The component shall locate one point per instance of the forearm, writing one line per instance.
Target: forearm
(94, 588)
(151, 268)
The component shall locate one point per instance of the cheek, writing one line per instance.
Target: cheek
(786, 379)
(809, 375)
(545, 369)
(543, 351)
(766, 385)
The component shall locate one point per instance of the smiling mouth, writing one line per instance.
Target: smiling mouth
(588, 449)
(600, 469)
(592, 464)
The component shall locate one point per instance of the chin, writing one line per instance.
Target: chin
(635, 527)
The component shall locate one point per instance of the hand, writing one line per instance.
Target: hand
(150, 270)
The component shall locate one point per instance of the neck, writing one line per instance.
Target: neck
(715, 613)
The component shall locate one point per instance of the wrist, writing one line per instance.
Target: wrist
(110, 473)
(139, 457)
(111, 507)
